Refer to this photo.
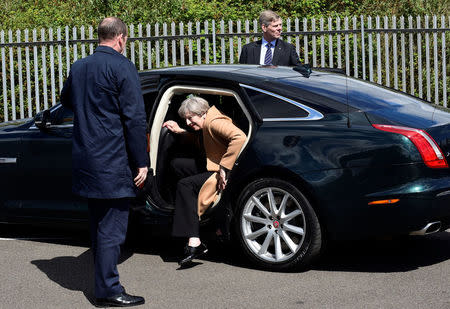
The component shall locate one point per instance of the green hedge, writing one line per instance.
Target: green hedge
(16, 14)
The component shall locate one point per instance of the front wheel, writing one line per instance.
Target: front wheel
(276, 225)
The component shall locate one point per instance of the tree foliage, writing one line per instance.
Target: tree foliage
(17, 14)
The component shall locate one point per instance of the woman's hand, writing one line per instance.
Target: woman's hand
(223, 177)
(173, 126)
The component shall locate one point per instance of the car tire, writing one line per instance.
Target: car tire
(276, 226)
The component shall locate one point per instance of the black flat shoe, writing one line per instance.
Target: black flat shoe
(120, 300)
(192, 253)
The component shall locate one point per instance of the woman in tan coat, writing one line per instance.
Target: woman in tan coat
(199, 184)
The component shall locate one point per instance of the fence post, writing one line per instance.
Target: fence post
(314, 41)
(44, 69)
(157, 46)
(394, 50)
(4, 79)
(369, 26)
(141, 48)
(27, 60)
(181, 26)
(386, 52)
(149, 47)
(347, 52)
(238, 30)
(355, 47)
(305, 40)
(297, 39)
(199, 43)
(402, 42)
(222, 39)
(36, 74)
(166, 52)
(427, 59)
(436, 65)
(339, 48)
(444, 65)
(52, 67)
(363, 49)
(419, 58)
(132, 45)
(322, 44)
(411, 56)
(91, 36)
(19, 70)
(67, 51)
(213, 30)
(83, 45)
(11, 76)
(230, 31)
(174, 45)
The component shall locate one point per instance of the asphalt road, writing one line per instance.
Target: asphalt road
(41, 270)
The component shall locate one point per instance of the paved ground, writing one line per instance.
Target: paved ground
(39, 270)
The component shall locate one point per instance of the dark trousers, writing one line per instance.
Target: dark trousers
(108, 225)
(192, 175)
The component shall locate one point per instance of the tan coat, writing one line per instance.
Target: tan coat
(223, 142)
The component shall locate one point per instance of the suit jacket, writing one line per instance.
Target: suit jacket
(109, 141)
(284, 54)
(223, 142)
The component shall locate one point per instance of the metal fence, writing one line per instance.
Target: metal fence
(408, 54)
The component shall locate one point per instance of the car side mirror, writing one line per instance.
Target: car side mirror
(42, 121)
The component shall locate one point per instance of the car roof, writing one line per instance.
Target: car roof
(321, 87)
(233, 72)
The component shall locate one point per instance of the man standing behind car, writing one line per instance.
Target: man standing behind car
(270, 50)
(109, 157)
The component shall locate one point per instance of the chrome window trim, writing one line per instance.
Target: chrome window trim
(312, 113)
(33, 127)
(8, 160)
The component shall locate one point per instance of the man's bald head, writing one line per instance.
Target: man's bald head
(110, 27)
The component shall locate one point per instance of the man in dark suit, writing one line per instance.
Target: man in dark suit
(109, 157)
(270, 50)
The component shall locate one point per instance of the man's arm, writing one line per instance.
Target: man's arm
(244, 55)
(65, 92)
(293, 57)
(132, 111)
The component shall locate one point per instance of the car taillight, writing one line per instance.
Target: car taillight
(429, 150)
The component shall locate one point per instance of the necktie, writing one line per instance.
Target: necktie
(268, 57)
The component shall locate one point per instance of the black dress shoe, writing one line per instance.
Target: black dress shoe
(120, 300)
(192, 253)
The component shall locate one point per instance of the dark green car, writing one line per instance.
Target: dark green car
(327, 157)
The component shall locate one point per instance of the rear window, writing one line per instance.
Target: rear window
(362, 95)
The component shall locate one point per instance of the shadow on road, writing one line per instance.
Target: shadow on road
(71, 272)
(74, 273)
(388, 255)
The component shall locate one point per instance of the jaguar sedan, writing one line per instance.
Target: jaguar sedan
(327, 157)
